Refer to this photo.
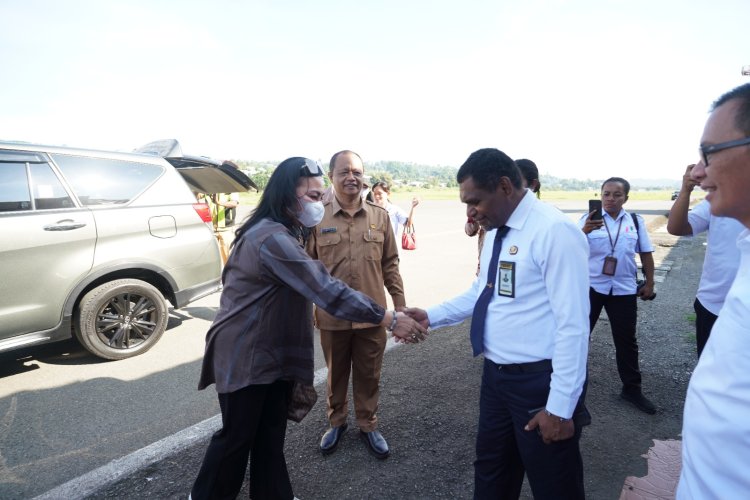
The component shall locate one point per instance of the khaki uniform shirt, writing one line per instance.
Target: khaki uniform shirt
(361, 251)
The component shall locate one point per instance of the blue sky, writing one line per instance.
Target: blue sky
(585, 88)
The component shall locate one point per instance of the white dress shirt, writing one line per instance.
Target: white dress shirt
(548, 318)
(716, 420)
(397, 215)
(722, 254)
(627, 244)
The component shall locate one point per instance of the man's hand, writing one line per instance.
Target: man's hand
(688, 183)
(407, 330)
(550, 427)
(646, 292)
(471, 228)
(592, 225)
(414, 202)
(419, 315)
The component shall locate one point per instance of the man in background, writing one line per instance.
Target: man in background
(716, 424)
(356, 244)
(614, 239)
(722, 255)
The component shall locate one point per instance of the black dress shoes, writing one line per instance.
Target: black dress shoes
(639, 401)
(376, 444)
(331, 438)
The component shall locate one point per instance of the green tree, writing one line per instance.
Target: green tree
(381, 176)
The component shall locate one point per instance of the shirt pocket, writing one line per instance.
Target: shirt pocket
(599, 243)
(600, 233)
(327, 245)
(630, 240)
(374, 245)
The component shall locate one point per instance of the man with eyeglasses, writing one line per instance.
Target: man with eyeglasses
(716, 421)
(356, 244)
(722, 256)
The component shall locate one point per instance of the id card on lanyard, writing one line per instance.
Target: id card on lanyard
(610, 262)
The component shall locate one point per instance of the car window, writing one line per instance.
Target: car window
(14, 187)
(102, 181)
(48, 191)
(16, 191)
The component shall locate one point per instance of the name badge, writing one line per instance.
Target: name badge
(507, 282)
(610, 266)
(327, 230)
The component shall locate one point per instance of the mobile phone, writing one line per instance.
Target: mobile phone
(638, 285)
(595, 205)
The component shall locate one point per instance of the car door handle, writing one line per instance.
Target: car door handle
(64, 225)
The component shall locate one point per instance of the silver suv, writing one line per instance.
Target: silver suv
(94, 242)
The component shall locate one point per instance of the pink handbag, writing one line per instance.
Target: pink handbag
(409, 238)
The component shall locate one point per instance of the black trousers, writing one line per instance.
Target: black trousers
(622, 311)
(254, 425)
(505, 451)
(704, 322)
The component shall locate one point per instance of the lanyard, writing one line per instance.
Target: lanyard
(610, 234)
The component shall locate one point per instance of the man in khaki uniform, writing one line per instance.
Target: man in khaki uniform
(356, 244)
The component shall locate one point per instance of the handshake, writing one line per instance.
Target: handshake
(410, 325)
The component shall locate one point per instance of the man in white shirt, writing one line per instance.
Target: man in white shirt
(614, 240)
(722, 255)
(529, 308)
(716, 420)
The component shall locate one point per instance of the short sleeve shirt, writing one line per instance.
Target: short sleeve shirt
(398, 217)
(722, 256)
(626, 241)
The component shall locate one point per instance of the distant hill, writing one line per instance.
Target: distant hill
(552, 183)
(656, 183)
(397, 172)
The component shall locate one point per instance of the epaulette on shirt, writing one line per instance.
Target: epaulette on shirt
(373, 204)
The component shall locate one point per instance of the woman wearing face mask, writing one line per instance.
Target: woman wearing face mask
(261, 341)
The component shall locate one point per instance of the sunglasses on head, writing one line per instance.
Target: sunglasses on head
(311, 168)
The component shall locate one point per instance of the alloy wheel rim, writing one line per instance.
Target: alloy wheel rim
(126, 321)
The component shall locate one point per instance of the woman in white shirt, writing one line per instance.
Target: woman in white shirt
(380, 192)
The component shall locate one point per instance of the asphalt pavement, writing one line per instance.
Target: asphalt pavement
(429, 400)
(429, 409)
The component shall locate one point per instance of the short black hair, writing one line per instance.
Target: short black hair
(741, 94)
(382, 185)
(487, 166)
(332, 163)
(528, 169)
(622, 181)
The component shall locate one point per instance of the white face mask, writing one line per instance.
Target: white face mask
(312, 213)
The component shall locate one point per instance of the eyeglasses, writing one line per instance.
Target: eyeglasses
(311, 168)
(713, 148)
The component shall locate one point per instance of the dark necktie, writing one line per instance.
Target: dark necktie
(480, 308)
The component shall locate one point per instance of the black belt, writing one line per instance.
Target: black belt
(544, 365)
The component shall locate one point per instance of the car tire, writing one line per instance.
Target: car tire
(121, 319)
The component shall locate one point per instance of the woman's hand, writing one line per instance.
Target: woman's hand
(407, 330)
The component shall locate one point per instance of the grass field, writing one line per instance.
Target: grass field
(403, 195)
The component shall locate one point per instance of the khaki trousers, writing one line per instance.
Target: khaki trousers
(359, 352)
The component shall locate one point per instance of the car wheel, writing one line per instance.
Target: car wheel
(121, 318)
